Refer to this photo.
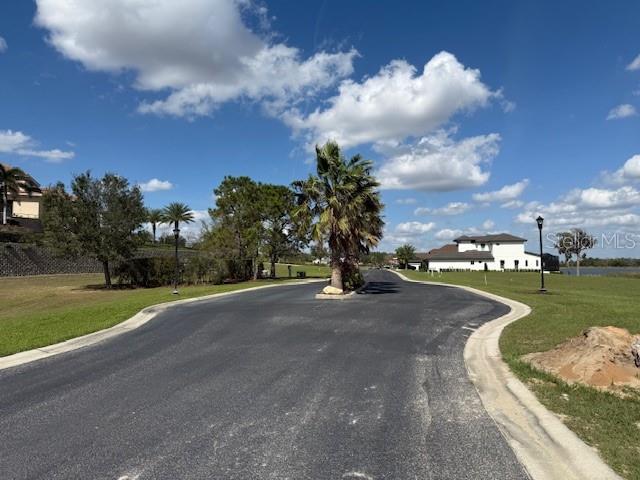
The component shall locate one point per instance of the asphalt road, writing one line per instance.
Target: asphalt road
(269, 384)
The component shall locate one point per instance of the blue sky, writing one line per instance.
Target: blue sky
(479, 115)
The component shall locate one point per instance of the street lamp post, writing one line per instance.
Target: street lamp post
(540, 221)
(176, 234)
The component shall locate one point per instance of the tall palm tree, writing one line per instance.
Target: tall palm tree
(154, 217)
(12, 180)
(174, 213)
(341, 204)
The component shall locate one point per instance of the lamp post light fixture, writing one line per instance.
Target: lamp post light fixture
(176, 234)
(540, 221)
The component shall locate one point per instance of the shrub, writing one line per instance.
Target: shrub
(202, 269)
(352, 279)
(146, 272)
(160, 271)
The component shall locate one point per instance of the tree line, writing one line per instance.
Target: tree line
(338, 211)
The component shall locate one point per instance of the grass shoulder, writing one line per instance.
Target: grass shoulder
(572, 304)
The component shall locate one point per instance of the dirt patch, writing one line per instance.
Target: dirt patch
(600, 357)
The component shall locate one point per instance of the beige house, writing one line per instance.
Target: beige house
(27, 204)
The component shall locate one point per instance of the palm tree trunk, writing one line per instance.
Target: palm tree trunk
(578, 266)
(5, 205)
(336, 272)
(153, 227)
(177, 273)
(272, 274)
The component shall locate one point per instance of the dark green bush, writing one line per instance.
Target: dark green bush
(352, 279)
(160, 271)
(146, 272)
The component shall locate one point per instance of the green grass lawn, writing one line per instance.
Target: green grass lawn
(319, 271)
(42, 310)
(606, 421)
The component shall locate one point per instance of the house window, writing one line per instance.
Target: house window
(536, 263)
(526, 263)
(473, 262)
(482, 245)
(516, 263)
(501, 263)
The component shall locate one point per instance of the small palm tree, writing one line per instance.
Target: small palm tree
(342, 205)
(405, 254)
(154, 217)
(12, 180)
(174, 213)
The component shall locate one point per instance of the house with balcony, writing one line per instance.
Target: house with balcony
(24, 209)
(496, 252)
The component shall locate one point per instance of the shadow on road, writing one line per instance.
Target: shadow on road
(379, 288)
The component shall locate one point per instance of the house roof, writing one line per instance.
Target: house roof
(35, 186)
(498, 237)
(448, 248)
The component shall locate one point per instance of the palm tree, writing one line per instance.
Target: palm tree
(405, 254)
(174, 213)
(341, 205)
(154, 217)
(12, 180)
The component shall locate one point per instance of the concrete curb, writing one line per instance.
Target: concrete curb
(139, 319)
(344, 296)
(542, 443)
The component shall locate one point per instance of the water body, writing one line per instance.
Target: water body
(600, 271)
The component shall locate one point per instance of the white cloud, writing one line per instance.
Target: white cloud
(488, 225)
(630, 171)
(635, 64)
(3, 45)
(414, 233)
(155, 185)
(10, 141)
(631, 168)
(447, 234)
(414, 228)
(406, 201)
(438, 163)
(596, 207)
(201, 51)
(505, 194)
(603, 198)
(512, 204)
(18, 143)
(622, 111)
(396, 103)
(452, 208)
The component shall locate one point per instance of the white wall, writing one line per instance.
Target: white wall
(26, 208)
(458, 265)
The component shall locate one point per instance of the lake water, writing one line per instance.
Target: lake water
(599, 271)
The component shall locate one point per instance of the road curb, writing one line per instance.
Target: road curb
(344, 296)
(139, 319)
(542, 443)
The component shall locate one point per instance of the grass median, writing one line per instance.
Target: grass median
(603, 420)
(43, 310)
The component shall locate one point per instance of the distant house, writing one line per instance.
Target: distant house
(502, 251)
(25, 209)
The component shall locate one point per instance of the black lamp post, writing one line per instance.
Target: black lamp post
(176, 234)
(540, 221)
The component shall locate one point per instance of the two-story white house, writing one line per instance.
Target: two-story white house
(485, 252)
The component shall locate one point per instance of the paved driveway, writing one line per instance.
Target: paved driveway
(270, 384)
